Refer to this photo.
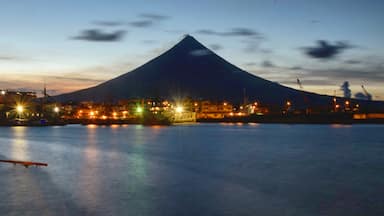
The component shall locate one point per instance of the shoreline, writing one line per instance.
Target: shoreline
(267, 119)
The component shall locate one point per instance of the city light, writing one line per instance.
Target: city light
(56, 109)
(139, 109)
(288, 103)
(19, 108)
(179, 109)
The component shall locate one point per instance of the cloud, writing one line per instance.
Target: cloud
(108, 23)
(266, 51)
(268, 64)
(216, 46)
(79, 79)
(8, 58)
(352, 61)
(309, 82)
(358, 75)
(251, 37)
(148, 20)
(200, 52)
(314, 21)
(345, 89)
(250, 64)
(99, 36)
(242, 32)
(142, 23)
(326, 50)
(296, 68)
(149, 41)
(154, 16)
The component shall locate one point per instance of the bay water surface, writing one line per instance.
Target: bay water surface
(197, 169)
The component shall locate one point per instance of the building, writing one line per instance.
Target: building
(213, 110)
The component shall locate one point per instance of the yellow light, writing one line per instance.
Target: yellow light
(337, 106)
(179, 109)
(139, 109)
(104, 117)
(56, 109)
(2, 92)
(19, 108)
(255, 103)
(225, 104)
(92, 113)
(114, 114)
(288, 103)
(196, 104)
(346, 102)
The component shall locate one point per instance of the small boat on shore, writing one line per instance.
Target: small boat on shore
(149, 119)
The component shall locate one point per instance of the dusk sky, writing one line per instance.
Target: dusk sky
(71, 44)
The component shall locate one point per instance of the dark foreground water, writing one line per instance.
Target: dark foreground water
(202, 169)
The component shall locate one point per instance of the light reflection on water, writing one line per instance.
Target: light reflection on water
(20, 144)
(202, 169)
(89, 183)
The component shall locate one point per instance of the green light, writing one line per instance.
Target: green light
(139, 109)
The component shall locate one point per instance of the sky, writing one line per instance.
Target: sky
(71, 44)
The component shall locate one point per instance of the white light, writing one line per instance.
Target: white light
(19, 108)
(179, 109)
(56, 109)
(2, 92)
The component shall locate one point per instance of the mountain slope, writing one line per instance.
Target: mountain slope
(190, 69)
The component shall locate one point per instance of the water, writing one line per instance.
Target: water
(201, 169)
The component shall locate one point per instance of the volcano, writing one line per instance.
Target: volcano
(189, 69)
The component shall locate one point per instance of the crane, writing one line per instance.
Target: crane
(367, 95)
(305, 97)
(299, 83)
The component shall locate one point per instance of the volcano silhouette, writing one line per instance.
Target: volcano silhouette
(189, 69)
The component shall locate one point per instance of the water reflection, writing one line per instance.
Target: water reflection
(90, 176)
(340, 126)
(19, 144)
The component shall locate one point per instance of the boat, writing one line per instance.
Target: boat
(150, 118)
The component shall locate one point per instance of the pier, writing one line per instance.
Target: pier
(24, 163)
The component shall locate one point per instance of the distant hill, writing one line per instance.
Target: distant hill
(189, 69)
